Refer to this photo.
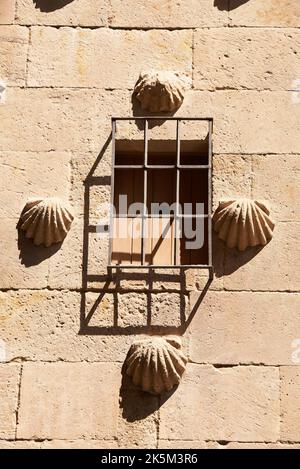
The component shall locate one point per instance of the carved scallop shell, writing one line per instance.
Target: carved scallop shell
(242, 223)
(155, 364)
(160, 91)
(46, 221)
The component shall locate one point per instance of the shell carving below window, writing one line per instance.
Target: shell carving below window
(156, 364)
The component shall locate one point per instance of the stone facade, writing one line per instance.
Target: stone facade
(65, 329)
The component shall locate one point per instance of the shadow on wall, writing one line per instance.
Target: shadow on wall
(235, 259)
(51, 5)
(136, 404)
(229, 5)
(104, 299)
(31, 255)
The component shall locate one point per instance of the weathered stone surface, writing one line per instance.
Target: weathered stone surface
(100, 309)
(246, 58)
(280, 13)
(239, 403)
(253, 176)
(258, 446)
(79, 120)
(85, 262)
(75, 13)
(244, 327)
(13, 51)
(290, 408)
(20, 444)
(44, 325)
(22, 265)
(138, 417)
(132, 309)
(168, 309)
(183, 444)
(33, 175)
(284, 195)
(169, 14)
(132, 280)
(119, 309)
(59, 444)
(245, 125)
(231, 178)
(247, 270)
(66, 263)
(138, 433)
(98, 259)
(33, 321)
(47, 119)
(167, 279)
(79, 444)
(69, 400)
(90, 189)
(7, 11)
(91, 169)
(99, 204)
(131, 51)
(9, 388)
(242, 122)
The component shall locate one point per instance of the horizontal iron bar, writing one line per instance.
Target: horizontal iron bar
(129, 166)
(162, 166)
(162, 118)
(193, 166)
(159, 215)
(152, 266)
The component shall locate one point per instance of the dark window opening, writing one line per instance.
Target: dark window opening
(164, 218)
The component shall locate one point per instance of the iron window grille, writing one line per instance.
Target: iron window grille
(145, 167)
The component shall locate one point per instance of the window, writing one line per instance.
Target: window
(161, 197)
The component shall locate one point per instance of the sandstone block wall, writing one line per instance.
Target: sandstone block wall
(64, 328)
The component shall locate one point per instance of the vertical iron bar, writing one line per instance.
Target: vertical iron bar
(111, 216)
(210, 151)
(145, 190)
(177, 187)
